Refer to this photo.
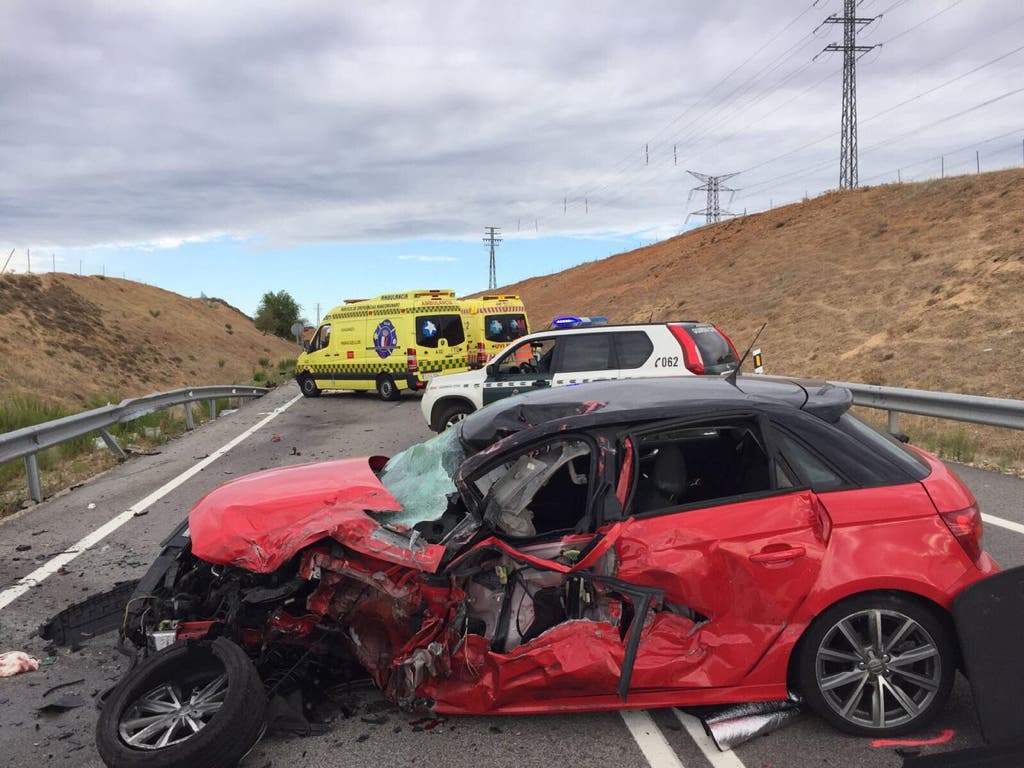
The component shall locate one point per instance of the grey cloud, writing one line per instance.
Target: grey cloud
(320, 121)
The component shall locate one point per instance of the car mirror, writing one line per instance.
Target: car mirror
(305, 345)
(491, 369)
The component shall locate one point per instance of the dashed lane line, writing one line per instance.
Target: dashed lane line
(718, 758)
(53, 565)
(650, 739)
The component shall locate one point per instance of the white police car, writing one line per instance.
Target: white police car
(573, 355)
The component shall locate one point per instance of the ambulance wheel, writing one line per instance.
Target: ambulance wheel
(308, 386)
(387, 390)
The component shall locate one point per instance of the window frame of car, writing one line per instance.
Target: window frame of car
(467, 484)
(795, 467)
(709, 420)
(508, 354)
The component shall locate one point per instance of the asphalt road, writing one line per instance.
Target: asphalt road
(148, 497)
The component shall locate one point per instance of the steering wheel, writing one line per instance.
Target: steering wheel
(527, 368)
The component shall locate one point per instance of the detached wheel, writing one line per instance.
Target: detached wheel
(308, 386)
(877, 665)
(387, 390)
(199, 705)
(452, 415)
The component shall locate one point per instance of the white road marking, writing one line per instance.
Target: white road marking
(650, 739)
(53, 565)
(1007, 524)
(715, 756)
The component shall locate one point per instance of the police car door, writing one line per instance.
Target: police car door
(524, 367)
(586, 357)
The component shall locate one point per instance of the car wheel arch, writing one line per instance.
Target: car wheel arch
(939, 611)
(446, 402)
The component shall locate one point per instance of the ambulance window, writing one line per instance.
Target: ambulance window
(430, 328)
(504, 328)
(322, 338)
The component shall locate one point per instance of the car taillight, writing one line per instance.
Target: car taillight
(691, 355)
(410, 359)
(966, 527)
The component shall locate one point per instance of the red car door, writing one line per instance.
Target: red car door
(733, 567)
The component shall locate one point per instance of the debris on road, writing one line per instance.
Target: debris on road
(96, 615)
(15, 662)
(275, 439)
(62, 704)
(737, 724)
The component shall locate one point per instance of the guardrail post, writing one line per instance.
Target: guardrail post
(35, 489)
(189, 422)
(112, 444)
(213, 409)
(894, 422)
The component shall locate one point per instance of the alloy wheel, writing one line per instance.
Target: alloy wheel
(168, 715)
(878, 668)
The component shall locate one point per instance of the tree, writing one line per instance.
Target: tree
(277, 313)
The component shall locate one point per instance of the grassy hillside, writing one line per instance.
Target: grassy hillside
(70, 340)
(915, 285)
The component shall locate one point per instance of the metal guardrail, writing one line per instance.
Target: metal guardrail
(977, 409)
(28, 441)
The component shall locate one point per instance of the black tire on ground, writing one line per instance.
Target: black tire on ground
(387, 390)
(225, 734)
(877, 641)
(451, 415)
(308, 386)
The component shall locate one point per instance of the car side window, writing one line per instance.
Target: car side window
(812, 469)
(587, 352)
(322, 338)
(541, 491)
(698, 464)
(533, 356)
(633, 348)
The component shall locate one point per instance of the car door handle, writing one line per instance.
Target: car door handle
(541, 383)
(769, 556)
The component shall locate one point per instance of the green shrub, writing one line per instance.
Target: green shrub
(264, 362)
(259, 376)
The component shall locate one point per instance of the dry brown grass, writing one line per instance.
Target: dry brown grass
(71, 339)
(909, 285)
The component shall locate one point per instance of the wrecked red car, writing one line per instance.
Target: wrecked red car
(614, 545)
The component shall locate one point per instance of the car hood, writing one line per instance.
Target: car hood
(260, 521)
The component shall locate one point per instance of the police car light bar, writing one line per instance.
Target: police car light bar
(571, 321)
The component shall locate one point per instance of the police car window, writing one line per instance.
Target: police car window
(634, 348)
(587, 352)
(322, 338)
(529, 357)
(431, 328)
(504, 328)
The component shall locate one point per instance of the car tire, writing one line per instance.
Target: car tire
(450, 415)
(877, 665)
(387, 390)
(215, 683)
(308, 386)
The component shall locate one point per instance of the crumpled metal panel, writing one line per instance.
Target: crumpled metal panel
(260, 521)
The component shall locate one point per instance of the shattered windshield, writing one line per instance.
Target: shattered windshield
(421, 477)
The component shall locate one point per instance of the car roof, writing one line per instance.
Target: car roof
(638, 400)
(606, 327)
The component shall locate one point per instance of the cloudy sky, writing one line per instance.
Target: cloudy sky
(239, 147)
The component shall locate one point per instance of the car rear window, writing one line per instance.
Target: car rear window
(715, 351)
(504, 328)
(586, 352)
(430, 328)
(884, 445)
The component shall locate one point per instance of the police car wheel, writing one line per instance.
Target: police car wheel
(452, 415)
(387, 390)
(308, 386)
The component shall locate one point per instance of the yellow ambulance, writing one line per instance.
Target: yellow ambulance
(492, 322)
(392, 343)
